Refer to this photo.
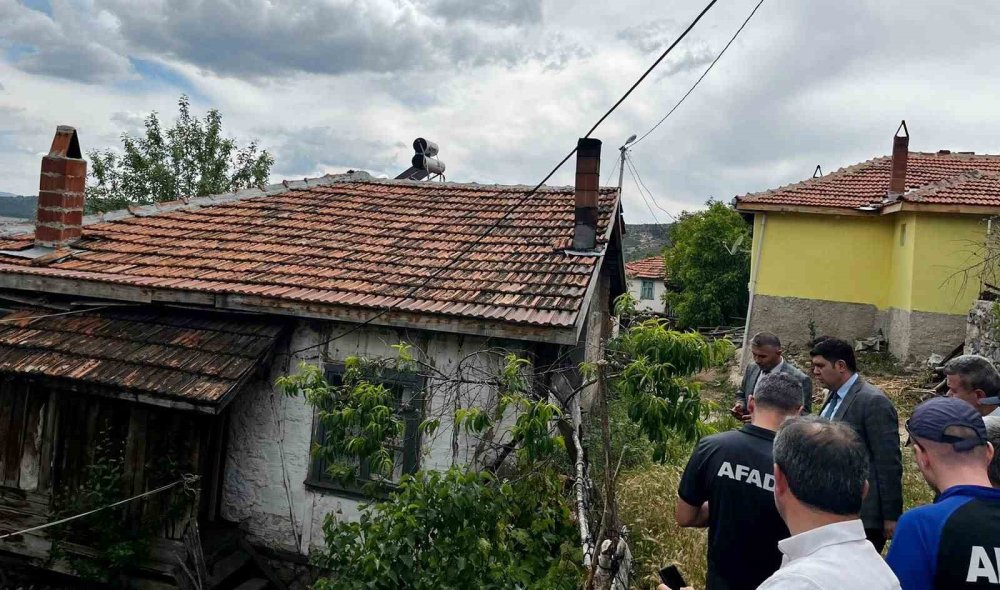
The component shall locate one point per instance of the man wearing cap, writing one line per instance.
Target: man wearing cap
(973, 379)
(768, 360)
(954, 543)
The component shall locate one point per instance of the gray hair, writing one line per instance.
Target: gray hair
(825, 463)
(765, 339)
(975, 372)
(778, 391)
(993, 434)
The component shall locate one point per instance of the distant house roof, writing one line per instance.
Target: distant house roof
(647, 268)
(339, 247)
(197, 361)
(863, 187)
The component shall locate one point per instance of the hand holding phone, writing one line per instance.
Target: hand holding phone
(671, 576)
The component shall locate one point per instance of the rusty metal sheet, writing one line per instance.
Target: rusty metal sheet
(191, 356)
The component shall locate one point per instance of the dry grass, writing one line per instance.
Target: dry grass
(647, 496)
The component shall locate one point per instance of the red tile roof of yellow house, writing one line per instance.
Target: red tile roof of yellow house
(942, 178)
(647, 268)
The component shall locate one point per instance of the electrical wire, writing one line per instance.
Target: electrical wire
(702, 77)
(520, 201)
(633, 168)
(186, 480)
(641, 194)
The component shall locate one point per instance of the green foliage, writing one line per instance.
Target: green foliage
(358, 418)
(456, 530)
(190, 159)
(656, 364)
(710, 262)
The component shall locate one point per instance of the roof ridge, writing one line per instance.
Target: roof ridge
(483, 187)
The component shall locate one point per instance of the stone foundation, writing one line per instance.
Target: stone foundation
(912, 335)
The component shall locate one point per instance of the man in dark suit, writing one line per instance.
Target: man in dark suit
(854, 401)
(767, 359)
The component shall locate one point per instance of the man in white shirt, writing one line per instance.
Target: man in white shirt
(820, 479)
(974, 380)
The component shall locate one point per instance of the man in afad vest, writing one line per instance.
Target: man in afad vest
(954, 543)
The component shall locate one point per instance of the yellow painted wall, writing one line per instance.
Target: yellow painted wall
(904, 231)
(870, 260)
(945, 246)
(825, 257)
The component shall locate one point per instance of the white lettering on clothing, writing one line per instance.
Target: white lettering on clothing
(980, 565)
(747, 475)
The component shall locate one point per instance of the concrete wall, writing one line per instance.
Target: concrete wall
(655, 304)
(268, 455)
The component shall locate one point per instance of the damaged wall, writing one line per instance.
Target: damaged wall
(268, 430)
(982, 334)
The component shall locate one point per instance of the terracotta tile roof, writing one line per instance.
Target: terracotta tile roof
(867, 183)
(647, 268)
(190, 357)
(345, 242)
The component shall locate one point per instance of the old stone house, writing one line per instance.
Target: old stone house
(647, 283)
(165, 326)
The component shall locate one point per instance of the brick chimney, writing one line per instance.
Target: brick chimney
(60, 191)
(588, 180)
(900, 153)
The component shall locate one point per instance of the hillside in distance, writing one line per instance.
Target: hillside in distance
(643, 240)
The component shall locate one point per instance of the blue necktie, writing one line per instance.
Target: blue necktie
(831, 408)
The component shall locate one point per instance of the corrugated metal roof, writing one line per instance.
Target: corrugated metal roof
(186, 356)
(355, 243)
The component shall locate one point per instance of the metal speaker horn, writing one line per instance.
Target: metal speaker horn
(425, 147)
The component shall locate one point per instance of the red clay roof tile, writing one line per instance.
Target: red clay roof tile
(867, 183)
(647, 268)
(356, 243)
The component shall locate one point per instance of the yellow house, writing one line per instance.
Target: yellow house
(892, 245)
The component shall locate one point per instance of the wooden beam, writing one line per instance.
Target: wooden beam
(49, 443)
(812, 209)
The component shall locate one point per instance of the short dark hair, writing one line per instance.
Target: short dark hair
(825, 463)
(765, 339)
(993, 433)
(778, 391)
(975, 372)
(833, 350)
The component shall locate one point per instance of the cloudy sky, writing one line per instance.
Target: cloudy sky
(506, 86)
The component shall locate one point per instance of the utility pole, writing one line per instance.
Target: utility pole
(621, 171)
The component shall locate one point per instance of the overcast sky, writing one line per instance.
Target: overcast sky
(507, 86)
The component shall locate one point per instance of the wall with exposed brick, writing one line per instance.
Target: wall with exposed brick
(270, 435)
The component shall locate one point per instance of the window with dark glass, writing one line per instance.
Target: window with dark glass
(407, 389)
(647, 290)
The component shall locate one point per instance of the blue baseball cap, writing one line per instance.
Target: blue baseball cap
(934, 417)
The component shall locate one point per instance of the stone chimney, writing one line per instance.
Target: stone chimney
(60, 191)
(588, 180)
(900, 153)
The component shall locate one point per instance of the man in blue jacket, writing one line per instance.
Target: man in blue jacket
(954, 543)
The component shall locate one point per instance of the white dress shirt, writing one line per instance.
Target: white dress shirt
(762, 372)
(832, 557)
(831, 409)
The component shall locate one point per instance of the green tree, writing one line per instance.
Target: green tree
(192, 158)
(709, 264)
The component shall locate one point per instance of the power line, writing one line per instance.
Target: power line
(520, 201)
(705, 73)
(634, 169)
(641, 194)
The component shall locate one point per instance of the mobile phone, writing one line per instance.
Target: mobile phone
(671, 576)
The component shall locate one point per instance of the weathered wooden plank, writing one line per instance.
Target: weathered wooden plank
(135, 458)
(6, 430)
(15, 436)
(46, 452)
(31, 441)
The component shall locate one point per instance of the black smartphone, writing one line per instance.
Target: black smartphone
(671, 576)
